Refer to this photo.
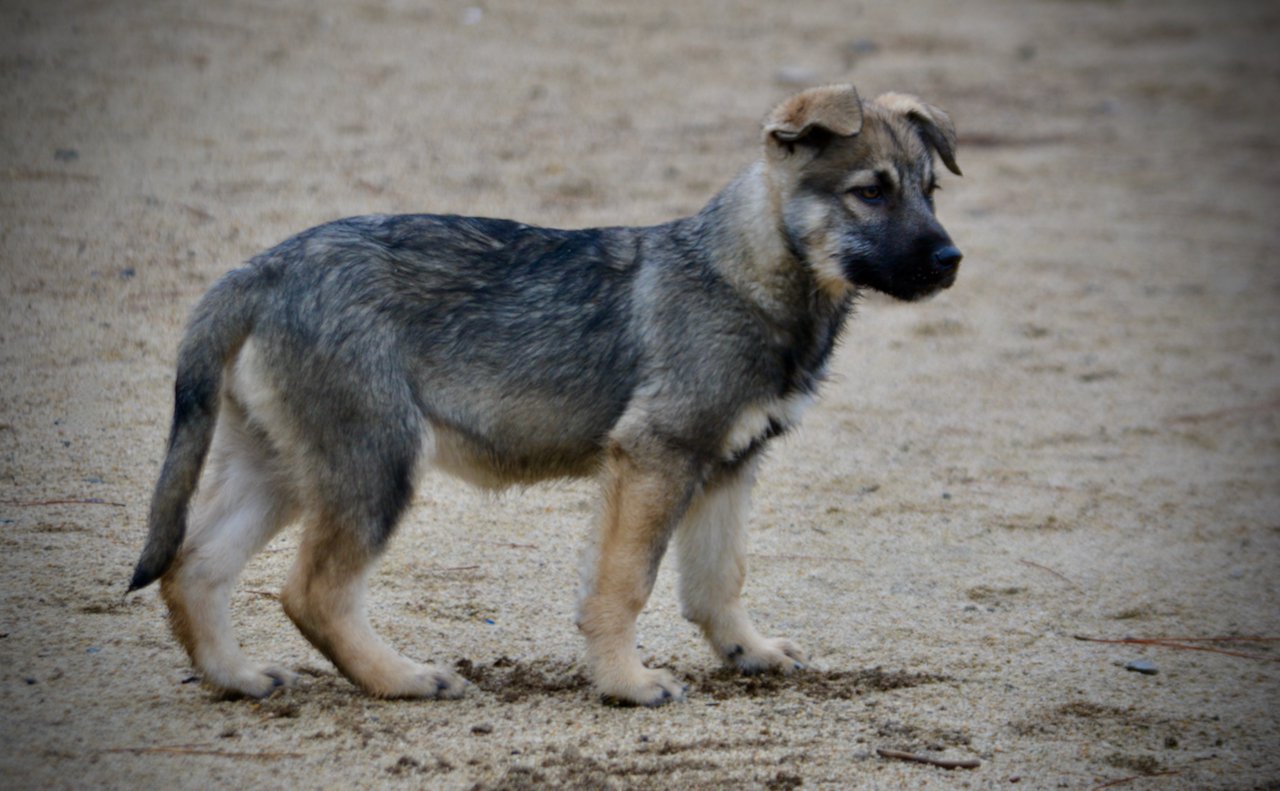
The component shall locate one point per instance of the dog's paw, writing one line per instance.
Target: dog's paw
(766, 656)
(425, 681)
(645, 687)
(252, 681)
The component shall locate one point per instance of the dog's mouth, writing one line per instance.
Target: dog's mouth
(919, 288)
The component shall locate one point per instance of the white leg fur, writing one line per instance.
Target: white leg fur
(240, 506)
(711, 544)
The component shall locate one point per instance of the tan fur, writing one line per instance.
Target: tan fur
(834, 107)
(642, 502)
(824, 254)
(934, 121)
(324, 598)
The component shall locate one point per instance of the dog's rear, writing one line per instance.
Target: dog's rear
(218, 327)
(323, 376)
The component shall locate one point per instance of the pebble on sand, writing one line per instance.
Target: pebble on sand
(1142, 666)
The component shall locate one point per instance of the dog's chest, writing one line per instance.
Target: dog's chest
(758, 422)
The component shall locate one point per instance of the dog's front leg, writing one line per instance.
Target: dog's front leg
(643, 500)
(711, 543)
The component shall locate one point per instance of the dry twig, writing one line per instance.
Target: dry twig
(1247, 409)
(1130, 779)
(1057, 574)
(945, 763)
(182, 749)
(66, 501)
(1182, 643)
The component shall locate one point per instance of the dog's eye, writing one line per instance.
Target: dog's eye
(868, 194)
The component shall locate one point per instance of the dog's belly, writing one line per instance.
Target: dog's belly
(496, 436)
(506, 461)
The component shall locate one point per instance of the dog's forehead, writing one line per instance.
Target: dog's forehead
(887, 142)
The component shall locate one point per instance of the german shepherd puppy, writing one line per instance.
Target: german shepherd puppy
(321, 377)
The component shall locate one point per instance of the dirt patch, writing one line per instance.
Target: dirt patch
(908, 736)
(512, 681)
(725, 683)
(1084, 715)
(1132, 740)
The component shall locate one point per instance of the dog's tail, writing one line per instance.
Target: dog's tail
(219, 326)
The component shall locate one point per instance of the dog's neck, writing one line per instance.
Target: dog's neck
(750, 249)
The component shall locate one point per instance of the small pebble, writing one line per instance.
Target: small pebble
(852, 51)
(1142, 666)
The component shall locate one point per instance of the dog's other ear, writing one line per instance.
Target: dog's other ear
(811, 117)
(933, 122)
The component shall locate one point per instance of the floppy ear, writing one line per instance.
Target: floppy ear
(933, 122)
(812, 116)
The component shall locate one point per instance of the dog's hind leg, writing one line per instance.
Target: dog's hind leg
(244, 501)
(325, 598)
(642, 504)
(711, 544)
(325, 594)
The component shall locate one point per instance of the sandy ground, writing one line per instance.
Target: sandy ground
(1081, 438)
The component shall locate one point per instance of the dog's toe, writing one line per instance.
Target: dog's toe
(768, 656)
(430, 681)
(649, 688)
(251, 682)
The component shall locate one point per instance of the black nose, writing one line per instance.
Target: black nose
(947, 257)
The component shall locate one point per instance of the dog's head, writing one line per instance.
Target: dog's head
(854, 183)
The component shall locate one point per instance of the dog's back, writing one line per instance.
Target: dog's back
(498, 330)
